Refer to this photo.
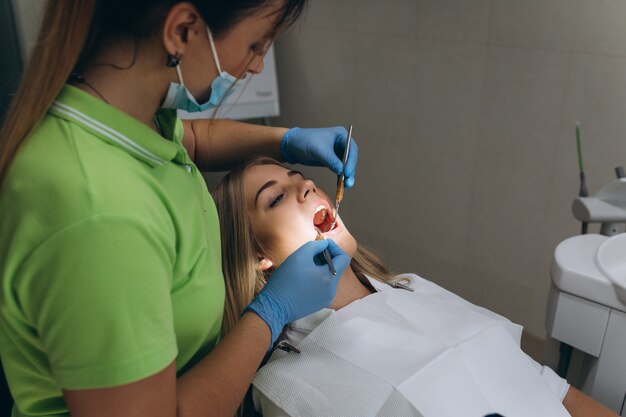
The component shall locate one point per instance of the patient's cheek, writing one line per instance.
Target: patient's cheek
(280, 247)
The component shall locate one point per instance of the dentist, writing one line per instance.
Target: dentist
(111, 285)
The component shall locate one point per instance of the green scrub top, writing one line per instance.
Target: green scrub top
(110, 255)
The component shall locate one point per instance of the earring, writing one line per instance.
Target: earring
(173, 60)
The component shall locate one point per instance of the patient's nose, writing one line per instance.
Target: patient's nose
(306, 187)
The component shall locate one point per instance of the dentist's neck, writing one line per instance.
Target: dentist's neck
(349, 289)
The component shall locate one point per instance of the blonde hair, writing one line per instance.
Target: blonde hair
(241, 248)
(64, 31)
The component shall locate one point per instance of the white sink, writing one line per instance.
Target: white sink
(611, 260)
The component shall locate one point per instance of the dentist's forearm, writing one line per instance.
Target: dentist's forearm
(218, 145)
(218, 383)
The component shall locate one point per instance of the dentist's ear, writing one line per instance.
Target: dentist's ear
(264, 264)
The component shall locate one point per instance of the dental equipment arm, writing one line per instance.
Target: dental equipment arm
(607, 206)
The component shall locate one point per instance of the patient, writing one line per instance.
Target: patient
(387, 345)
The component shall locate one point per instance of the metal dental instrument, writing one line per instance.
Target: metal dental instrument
(341, 179)
(326, 253)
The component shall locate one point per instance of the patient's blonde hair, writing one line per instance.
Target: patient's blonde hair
(241, 249)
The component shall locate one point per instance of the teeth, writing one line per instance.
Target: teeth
(320, 208)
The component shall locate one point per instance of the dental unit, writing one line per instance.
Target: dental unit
(587, 301)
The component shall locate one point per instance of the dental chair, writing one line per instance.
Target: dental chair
(587, 301)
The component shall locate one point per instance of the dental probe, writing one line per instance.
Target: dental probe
(341, 179)
(326, 253)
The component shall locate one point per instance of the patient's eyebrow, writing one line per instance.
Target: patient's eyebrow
(273, 182)
(263, 187)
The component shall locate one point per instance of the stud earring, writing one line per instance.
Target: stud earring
(173, 60)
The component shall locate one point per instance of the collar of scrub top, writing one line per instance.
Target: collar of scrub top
(118, 128)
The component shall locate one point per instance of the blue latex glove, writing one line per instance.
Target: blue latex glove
(321, 147)
(300, 286)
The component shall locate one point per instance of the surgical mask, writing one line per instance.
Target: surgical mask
(179, 97)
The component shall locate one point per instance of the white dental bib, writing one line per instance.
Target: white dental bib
(426, 353)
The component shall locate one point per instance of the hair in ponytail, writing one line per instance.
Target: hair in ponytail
(64, 31)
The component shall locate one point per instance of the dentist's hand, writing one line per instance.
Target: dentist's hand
(321, 147)
(300, 286)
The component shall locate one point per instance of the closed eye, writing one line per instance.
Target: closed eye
(277, 200)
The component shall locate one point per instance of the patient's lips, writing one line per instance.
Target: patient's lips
(323, 218)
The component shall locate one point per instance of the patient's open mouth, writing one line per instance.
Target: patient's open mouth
(323, 219)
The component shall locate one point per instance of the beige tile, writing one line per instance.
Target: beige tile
(597, 101)
(413, 190)
(600, 27)
(453, 19)
(507, 297)
(315, 78)
(453, 276)
(385, 85)
(445, 121)
(538, 303)
(533, 346)
(550, 355)
(396, 253)
(29, 15)
(391, 17)
(401, 256)
(335, 15)
(523, 95)
(534, 23)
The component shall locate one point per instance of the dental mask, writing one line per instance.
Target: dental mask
(179, 97)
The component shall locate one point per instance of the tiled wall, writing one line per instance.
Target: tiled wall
(464, 112)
